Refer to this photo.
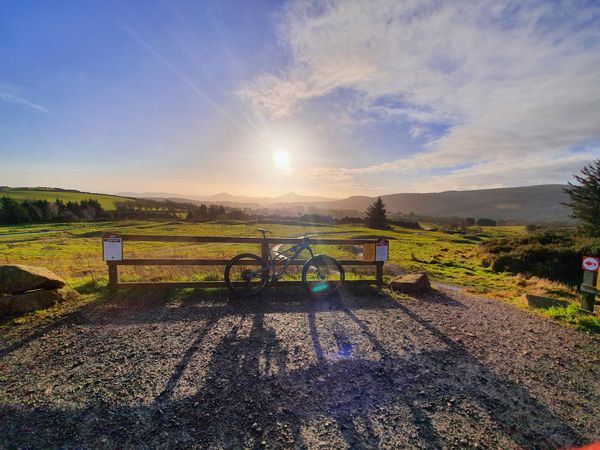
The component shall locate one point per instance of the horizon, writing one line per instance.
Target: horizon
(329, 99)
(256, 197)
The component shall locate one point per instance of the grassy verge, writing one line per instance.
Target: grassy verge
(570, 314)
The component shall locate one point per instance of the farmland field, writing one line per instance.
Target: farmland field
(106, 201)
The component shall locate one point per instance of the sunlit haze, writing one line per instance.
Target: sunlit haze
(263, 98)
(281, 159)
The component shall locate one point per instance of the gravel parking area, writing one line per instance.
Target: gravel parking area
(365, 370)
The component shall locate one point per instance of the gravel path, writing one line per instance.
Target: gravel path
(443, 370)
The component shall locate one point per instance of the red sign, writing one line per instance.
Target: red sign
(590, 263)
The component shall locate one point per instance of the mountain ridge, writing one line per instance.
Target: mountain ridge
(537, 203)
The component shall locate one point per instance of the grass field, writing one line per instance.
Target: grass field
(73, 250)
(106, 201)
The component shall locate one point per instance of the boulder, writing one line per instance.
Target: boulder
(33, 300)
(536, 301)
(15, 278)
(411, 283)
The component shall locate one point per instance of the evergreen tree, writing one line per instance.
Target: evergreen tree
(11, 211)
(585, 199)
(376, 215)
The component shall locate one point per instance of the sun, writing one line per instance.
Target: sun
(281, 159)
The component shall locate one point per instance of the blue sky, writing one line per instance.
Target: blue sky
(364, 97)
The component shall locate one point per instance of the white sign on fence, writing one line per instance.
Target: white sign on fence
(112, 249)
(381, 250)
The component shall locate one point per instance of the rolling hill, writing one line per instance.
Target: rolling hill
(541, 203)
(529, 203)
(51, 194)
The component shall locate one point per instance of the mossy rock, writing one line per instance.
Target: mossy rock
(34, 300)
(411, 283)
(16, 278)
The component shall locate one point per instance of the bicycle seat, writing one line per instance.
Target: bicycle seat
(263, 231)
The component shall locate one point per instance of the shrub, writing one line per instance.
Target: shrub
(555, 255)
(485, 222)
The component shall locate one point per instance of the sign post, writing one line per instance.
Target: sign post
(112, 250)
(590, 266)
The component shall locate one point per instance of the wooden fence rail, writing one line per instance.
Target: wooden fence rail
(113, 273)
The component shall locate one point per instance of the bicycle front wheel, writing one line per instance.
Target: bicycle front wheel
(322, 275)
(246, 274)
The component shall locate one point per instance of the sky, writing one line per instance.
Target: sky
(331, 98)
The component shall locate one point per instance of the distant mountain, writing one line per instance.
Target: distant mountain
(225, 198)
(529, 203)
(522, 204)
(292, 197)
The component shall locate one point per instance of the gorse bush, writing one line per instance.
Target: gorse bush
(552, 254)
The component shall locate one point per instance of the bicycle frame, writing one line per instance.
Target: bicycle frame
(293, 252)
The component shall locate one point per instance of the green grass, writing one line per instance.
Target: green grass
(74, 251)
(106, 201)
(571, 314)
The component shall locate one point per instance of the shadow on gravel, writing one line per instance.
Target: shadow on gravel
(440, 298)
(240, 403)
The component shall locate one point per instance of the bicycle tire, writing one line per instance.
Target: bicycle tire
(322, 288)
(253, 285)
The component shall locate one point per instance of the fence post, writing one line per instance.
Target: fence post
(113, 277)
(379, 273)
(587, 299)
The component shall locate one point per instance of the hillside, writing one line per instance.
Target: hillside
(529, 203)
(524, 204)
(540, 203)
(66, 195)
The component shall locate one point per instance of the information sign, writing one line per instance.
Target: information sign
(382, 250)
(112, 249)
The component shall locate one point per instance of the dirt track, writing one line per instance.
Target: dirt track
(444, 370)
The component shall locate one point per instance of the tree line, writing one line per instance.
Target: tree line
(39, 211)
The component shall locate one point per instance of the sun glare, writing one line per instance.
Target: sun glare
(281, 159)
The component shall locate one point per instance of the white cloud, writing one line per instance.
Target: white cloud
(10, 94)
(509, 80)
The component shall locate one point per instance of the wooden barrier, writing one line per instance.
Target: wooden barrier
(113, 273)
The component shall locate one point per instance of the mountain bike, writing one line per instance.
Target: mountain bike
(247, 274)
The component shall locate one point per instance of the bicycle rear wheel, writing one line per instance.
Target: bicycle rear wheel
(246, 274)
(322, 275)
